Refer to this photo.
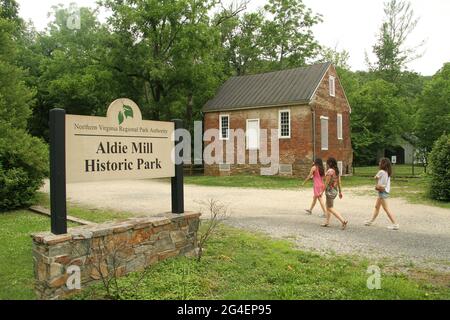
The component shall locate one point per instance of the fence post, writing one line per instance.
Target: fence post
(58, 171)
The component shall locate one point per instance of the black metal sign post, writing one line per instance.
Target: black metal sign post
(58, 171)
(177, 181)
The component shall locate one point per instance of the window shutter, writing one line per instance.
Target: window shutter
(339, 127)
(324, 133)
(332, 85)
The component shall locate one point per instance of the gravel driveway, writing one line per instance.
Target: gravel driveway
(424, 237)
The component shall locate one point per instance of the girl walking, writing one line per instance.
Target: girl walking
(317, 173)
(383, 187)
(333, 189)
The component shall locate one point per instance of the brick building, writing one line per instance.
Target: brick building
(307, 106)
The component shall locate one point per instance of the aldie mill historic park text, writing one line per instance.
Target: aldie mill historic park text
(143, 148)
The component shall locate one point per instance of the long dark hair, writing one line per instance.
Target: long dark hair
(332, 164)
(385, 164)
(319, 164)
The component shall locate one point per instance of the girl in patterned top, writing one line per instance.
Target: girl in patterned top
(333, 189)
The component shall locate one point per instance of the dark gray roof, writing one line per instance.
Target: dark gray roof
(294, 86)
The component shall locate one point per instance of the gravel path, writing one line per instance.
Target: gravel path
(424, 237)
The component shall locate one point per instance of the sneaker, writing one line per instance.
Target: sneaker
(308, 212)
(368, 223)
(394, 227)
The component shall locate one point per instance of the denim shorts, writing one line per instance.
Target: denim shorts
(383, 195)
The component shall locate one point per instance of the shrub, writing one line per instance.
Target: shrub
(440, 169)
(23, 166)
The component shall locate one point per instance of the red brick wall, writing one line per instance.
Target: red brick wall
(328, 106)
(298, 150)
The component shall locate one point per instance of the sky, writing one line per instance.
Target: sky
(348, 24)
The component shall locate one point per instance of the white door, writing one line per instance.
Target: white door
(253, 134)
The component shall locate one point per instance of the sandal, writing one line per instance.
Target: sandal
(325, 225)
(308, 212)
(344, 225)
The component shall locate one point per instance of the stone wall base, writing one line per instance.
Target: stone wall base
(99, 251)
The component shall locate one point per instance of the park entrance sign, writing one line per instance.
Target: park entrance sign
(118, 146)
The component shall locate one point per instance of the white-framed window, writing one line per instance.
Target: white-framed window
(224, 127)
(284, 124)
(332, 85)
(340, 165)
(324, 132)
(252, 134)
(339, 127)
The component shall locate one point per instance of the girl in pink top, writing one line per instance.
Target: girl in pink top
(317, 173)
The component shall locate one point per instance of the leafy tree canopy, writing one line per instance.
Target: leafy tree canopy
(433, 117)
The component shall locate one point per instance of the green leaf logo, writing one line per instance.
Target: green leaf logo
(121, 117)
(126, 113)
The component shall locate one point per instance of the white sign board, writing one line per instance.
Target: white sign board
(120, 146)
(394, 159)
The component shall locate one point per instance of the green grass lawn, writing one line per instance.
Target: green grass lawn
(237, 265)
(278, 182)
(403, 170)
(413, 189)
(243, 181)
(243, 265)
(89, 214)
(16, 262)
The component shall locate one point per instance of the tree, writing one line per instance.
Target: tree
(241, 39)
(154, 42)
(288, 39)
(376, 121)
(392, 56)
(64, 67)
(197, 71)
(23, 166)
(391, 48)
(278, 37)
(23, 159)
(440, 169)
(433, 116)
(338, 58)
(10, 12)
(16, 99)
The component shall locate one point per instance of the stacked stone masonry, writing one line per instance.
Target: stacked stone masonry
(111, 248)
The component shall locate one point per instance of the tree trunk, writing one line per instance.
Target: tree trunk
(156, 93)
(189, 111)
